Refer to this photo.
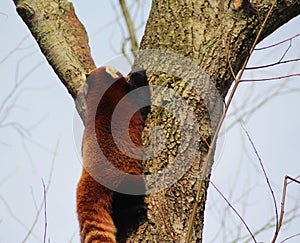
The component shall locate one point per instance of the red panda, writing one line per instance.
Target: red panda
(105, 215)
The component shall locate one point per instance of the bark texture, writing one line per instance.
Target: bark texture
(62, 39)
(214, 35)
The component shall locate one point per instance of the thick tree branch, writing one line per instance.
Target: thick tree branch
(62, 39)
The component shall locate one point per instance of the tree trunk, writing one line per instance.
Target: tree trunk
(205, 40)
(217, 37)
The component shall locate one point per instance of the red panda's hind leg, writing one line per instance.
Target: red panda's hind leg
(128, 211)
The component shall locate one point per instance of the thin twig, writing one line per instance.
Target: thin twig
(276, 44)
(15, 49)
(45, 211)
(245, 114)
(290, 237)
(269, 79)
(130, 26)
(286, 51)
(42, 204)
(15, 88)
(265, 174)
(273, 64)
(11, 213)
(234, 210)
(212, 145)
(124, 39)
(285, 184)
(7, 177)
(269, 225)
(227, 50)
(224, 224)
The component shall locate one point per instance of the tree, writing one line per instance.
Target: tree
(217, 36)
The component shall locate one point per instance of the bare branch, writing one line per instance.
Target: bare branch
(130, 26)
(290, 237)
(265, 173)
(15, 89)
(30, 231)
(45, 211)
(285, 184)
(267, 226)
(257, 102)
(236, 212)
(15, 49)
(124, 38)
(7, 177)
(272, 78)
(273, 64)
(10, 211)
(286, 51)
(276, 44)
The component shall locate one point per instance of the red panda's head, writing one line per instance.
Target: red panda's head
(106, 87)
(105, 83)
(102, 76)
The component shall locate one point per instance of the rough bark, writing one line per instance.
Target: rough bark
(212, 34)
(62, 39)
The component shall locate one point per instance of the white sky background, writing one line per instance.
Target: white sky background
(42, 105)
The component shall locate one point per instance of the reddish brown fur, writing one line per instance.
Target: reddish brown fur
(94, 201)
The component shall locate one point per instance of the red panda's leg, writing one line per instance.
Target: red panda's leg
(129, 211)
(94, 211)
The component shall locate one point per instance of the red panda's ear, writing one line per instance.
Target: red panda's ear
(100, 76)
(94, 76)
(114, 73)
(102, 71)
(94, 71)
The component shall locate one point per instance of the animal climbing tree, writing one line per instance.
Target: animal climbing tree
(215, 37)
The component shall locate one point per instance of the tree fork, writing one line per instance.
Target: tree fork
(211, 33)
